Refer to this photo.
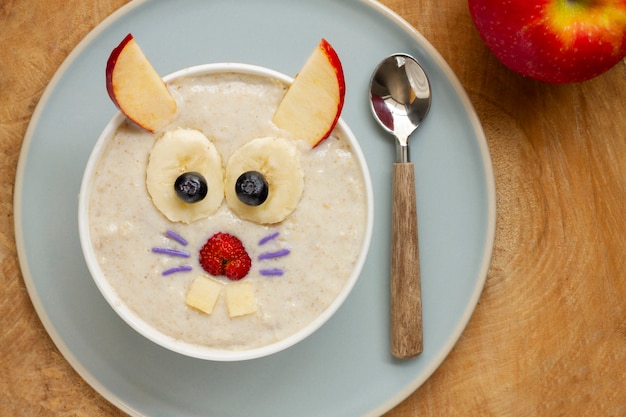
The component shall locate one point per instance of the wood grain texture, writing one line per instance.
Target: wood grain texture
(406, 294)
(548, 337)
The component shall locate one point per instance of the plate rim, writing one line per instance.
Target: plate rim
(385, 12)
(54, 335)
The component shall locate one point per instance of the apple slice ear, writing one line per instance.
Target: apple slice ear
(312, 105)
(136, 88)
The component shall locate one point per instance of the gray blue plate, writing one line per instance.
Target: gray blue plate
(345, 369)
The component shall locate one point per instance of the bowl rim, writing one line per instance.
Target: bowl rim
(180, 346)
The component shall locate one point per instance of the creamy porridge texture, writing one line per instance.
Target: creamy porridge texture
(307, 257)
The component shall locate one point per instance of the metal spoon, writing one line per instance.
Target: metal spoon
(400, 99)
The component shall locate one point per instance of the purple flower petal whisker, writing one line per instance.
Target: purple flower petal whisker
(273, 272)
(276, 254)
(182, 268)
(268, 238)
(171, 252)
(173, 235)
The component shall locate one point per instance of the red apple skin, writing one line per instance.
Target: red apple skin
(115, 53)
(335, 62)
(129, 79)
(556, 41)
(322, 74)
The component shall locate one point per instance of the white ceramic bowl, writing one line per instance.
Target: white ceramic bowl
(153, 334)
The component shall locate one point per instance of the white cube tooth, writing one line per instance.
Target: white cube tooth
(204, 293)
(240, 299)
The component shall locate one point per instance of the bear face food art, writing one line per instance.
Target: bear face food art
(221, 228)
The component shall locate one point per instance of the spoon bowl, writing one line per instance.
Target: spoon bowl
(400, 99)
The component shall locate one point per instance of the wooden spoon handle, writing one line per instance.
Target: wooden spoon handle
(406, 300)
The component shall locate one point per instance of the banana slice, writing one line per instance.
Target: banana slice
(178, 152)
(278, 161)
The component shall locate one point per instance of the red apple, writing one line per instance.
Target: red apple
(557, 41)
(311, 106)
(136, 88)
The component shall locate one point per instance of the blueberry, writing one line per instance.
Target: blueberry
(190, 187)
(251, 188)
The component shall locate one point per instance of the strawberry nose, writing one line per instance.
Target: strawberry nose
(224, 254)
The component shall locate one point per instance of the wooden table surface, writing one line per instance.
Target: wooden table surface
(548, 337)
